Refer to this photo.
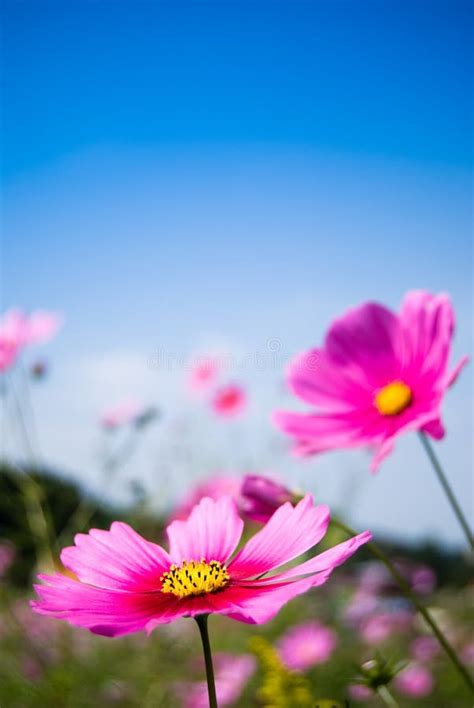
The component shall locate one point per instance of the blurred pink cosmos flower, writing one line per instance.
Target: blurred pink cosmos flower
(379, 374)
(122, 414)
(127, 584)
(214, 487)
(424, 648)
(361, 605)
(261, 496)
(378, 627)
(8, 353)
(257, 496)
(415, 681)
(423, 579)
(229, 401)
(203, 374)
(306, 645)
(468, 653)
(360, 693)
(18, 330)
(231, 673)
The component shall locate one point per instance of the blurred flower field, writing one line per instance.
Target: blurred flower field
(354, 621)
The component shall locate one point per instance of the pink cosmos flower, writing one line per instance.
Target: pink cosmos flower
(214, 487)
(361, 605)
(423, 579)
(306, 645)
(415, 681)
(8, 353)
(261, 497)
(379, 374)
(360, 693)
(231, 674)
(18, 330)
(127, 584)
(203, 374)
(23, 329)
(229, 401)
(378, 627)
(467, 653)
(424, 648)
(122, 414)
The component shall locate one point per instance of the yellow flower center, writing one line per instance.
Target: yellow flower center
(194, 578)
(393, 398)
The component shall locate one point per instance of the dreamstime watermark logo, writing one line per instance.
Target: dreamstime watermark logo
(271, 357)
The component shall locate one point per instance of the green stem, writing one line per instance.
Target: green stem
(387, 697)
(410, 595)
(206, 647)
(447, 489)
(38, 518)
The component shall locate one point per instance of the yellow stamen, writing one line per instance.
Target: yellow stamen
(393, 398)
(194, 578)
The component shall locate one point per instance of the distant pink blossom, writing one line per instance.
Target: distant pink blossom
(261, 496)
(229, 401)
(121, 414)
(213, 487)
(423, 579)
(378, 375)
(203, 374)
(373, 577)
(424, 648)
(376, 628)
(42, 326)
(306, 645)
(24, 329)
(360, 693)
(362, 604)
(8, 353)
(19, 330)
(415, 681)
(467, 653)
(232, 673)
(124, 583)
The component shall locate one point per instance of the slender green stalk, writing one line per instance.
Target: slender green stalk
(387, 697)
(410, 595)
(447, 489)
(206, 646)
(38, 518)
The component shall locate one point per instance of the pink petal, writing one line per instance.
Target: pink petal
(116, 559)
(324, 563)
(259, 604)
(290, 532)
(107, 612)
(453, 375)
(333, 430)
(367, 338)
(316, 379)
(212, 532)
(14, 327)
(42, 326)
(427, 323)
(383, 451)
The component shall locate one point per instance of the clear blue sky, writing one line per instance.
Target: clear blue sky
(180, 174)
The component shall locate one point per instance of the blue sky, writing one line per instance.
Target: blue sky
(185, 176)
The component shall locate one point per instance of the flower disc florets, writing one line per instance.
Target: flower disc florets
(194, 578)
